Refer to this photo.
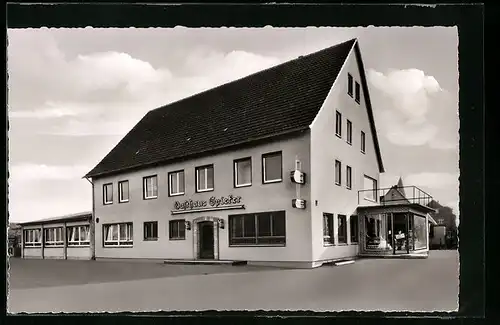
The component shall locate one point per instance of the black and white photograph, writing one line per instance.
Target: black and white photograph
(233, 169)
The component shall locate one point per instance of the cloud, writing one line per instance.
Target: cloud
(107, 93)
(432, 180)
(33, 172)
(411, 99)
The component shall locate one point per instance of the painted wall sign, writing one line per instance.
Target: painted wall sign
(214, 203)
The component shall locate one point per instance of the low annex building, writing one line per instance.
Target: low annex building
(266, 169)
(65, 237)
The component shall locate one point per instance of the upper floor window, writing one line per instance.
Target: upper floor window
(363, 142)
(54, 236)
(123, 191)
(349, 132)
(350, 85)
(107, 193)
(338, 172)
(150, 187)
(370, 188)
(338, 124)
(328, 237)
(119, 234)
(205, 178)
(272, 167)
(348, 181)
(357, 93)
(32, 237)
(342, 229)
(78, 235)
(176, 183)
(243, 172)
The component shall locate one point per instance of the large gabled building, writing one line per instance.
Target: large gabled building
(265, 169)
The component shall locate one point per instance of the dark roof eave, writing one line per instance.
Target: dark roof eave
(416, 206)
(206, 152)
(369, 107)
(60, 220)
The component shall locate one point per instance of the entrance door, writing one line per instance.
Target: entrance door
(400, 237)
(206, 242)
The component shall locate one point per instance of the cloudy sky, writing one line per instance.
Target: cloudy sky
(73, 93)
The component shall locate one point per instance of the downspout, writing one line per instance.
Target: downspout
(65, 248)
(43, 241)
(92, 223)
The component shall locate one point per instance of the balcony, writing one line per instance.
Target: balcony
(407, 195)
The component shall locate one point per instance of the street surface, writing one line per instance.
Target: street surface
(368, 285)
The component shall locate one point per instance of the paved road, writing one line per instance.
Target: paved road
(371, 284)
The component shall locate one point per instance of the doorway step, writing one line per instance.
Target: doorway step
(204, 262)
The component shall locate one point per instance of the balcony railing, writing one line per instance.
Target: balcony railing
(398, 195)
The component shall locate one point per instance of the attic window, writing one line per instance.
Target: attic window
(358, 93)
(349, 84)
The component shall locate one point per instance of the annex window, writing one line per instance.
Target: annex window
(32, 238)
(350, 84)
(338, 172)
(328, 238)
(107, 192)
(348, 177)
(354, 228)
(357, 93)
(123, 191)
(265, 228)
(150, 187)
(176, 183)
(363, 142)
(370, 188)
(205, 178)
(342, 229)
(54, 236)
(177, 229)
(119, 234)
(349, 132)
(79, 235)
(338, 124)
(151, 230)
(272, 167)
(243, 172)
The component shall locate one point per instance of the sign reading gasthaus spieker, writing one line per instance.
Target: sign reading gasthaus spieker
(213, 202)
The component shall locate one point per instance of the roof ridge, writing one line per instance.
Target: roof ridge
(213, 89)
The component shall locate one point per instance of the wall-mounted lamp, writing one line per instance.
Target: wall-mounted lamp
(221, 223)
(188, 225)
(97, 220)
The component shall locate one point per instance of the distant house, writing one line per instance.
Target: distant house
(14, 234)
(64, 237)
(445, 233)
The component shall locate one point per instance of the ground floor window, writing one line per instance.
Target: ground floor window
(419, 232)
(151, 230)
(354, 227)
(119, 234)
(253, 229)
(32, 238)
(78, 235)
(342, 229)
(177, 229)
(54, 236)
(328, 237)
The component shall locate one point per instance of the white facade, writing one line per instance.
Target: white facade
(317, 150)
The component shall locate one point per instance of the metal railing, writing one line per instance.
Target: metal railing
(395, 195)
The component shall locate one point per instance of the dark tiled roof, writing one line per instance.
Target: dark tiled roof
(276, 101)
